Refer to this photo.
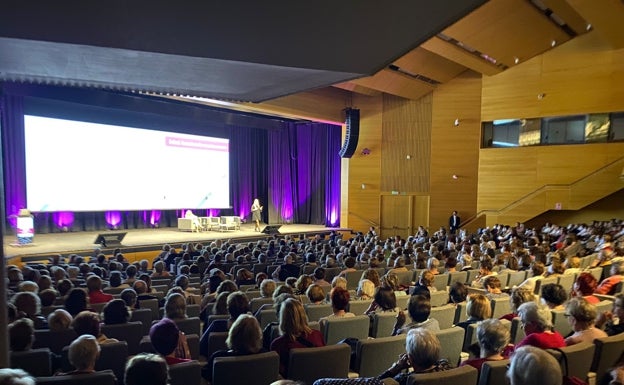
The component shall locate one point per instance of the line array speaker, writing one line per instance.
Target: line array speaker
(352, 121)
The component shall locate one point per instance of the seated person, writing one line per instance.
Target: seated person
(194, 218)
(554, 296)
(316, 294)
(365, 290)
(584, 287)
(384, 302)
(458, 292)
(492, 285)
(419, 309)
(287, 269)
(29, 304)
(295, 333)
(609, 284)
(538, 327)
(478, 308)
(422, 355)
(582, 315)
(96, 295)
(530, 365)
(607, 319)
(339, 298)
(146, 369)
(244, 338)
(88, 322)
(517, 298)
(115, 312)
(59, 320)
(83, 353)
(493, 338)
(237, 304)
(21, 335)
(165, 336)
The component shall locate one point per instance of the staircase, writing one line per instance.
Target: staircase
(573, 196)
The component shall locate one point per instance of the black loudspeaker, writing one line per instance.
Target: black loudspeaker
(109, 239)
(271, 229)
(352, 121)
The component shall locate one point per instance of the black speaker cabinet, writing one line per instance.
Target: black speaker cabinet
(352, 121)
(271, 229)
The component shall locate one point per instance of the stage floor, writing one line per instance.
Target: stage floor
(143, 239)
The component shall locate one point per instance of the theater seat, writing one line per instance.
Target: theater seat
(464, 375)
(262, 368)
(104, 377)
(310, 364)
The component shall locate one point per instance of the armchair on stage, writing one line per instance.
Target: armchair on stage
(209, 223)
(230, 223)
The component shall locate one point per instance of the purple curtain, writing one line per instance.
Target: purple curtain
(14, 163)
(304, 170)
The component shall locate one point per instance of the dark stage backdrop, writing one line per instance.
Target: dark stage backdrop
(292, 167)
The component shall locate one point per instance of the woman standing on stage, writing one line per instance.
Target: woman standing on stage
(256, 209)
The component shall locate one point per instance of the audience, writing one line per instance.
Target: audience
(514, 247)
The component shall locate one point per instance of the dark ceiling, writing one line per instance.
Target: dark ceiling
(233, 50)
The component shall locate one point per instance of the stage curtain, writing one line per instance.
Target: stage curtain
(14, 163)
(248, 171)
(304, 173)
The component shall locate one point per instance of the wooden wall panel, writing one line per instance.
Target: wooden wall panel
(455, 149)
(406, 132)
(570, 176)
(360, 206)
(581, 76)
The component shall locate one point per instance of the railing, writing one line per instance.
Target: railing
(549, 187)
(369, 221)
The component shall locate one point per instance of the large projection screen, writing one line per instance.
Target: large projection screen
(85, 166)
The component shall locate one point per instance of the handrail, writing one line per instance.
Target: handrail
(540, 190)
(369, 221)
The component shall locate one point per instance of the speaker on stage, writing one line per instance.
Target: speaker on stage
(271, 229)
(109, 239)
(352, 121)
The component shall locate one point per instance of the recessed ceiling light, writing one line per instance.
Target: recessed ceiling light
(553, 43)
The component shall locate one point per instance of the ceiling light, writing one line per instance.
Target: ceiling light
(516, 60)
(553, 43)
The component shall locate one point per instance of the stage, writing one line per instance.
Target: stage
(142, 240)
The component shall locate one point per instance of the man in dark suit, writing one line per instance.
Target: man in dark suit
(454, 222)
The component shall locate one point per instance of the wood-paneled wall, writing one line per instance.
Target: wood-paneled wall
(581, 76)
(406, 133)
(455, 149)
(527, 181)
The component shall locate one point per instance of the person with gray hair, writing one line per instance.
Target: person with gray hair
(530, 365)
(493, 338)
(29, 303)
(175, 307)
(537, 323)
(581, 316)
(422, 354)
(15, 377)
(83, 353)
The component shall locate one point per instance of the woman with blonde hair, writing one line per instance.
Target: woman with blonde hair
(295, 332)
(581, 316)
(244, 338)
(478, 308)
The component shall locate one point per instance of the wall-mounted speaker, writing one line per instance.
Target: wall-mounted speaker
(352, 121)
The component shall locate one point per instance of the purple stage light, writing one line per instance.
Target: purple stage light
(113, 218)
(63, 219)
(155, 217)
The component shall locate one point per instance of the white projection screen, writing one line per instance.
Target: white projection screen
(83, 166)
